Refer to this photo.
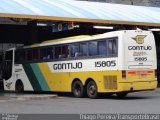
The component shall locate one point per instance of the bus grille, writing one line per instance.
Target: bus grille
(110, 82)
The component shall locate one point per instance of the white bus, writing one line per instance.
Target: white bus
(116, 62)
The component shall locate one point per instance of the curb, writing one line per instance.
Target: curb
(34, 97)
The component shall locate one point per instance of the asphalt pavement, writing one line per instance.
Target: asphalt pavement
(140, 102)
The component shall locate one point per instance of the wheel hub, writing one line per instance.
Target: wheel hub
(92, 89)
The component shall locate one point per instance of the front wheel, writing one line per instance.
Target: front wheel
(19, 87)
(92, 90)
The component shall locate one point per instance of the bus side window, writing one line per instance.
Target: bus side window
(112, 47)
(74, 48)
(83, 49)
(102, 47)
(65, 51)
(57, 52)
(43, 54)
(35, 54)
(29, 55)
(93, 51)
(50, 53)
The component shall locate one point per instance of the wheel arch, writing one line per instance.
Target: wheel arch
(19, 81)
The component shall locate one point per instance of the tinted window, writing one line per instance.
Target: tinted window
(74, 50)
(102, 47)
(57, 52)
(93, 48)
(29, 55)
(35, 54)
(83, 49)
(112, 47)
(19, 56)
(43, 54)
(49, 55)
(65, 52)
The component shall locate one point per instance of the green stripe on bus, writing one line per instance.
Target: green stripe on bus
(40, 77)
(32, 78)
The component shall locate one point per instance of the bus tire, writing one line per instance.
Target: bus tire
(92, 90)
(121, 94)
(78, 89)
(19, 86)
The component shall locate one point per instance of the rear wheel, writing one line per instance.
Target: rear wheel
(92, 90)
(78, 89)
(121, 94)
(19, 87)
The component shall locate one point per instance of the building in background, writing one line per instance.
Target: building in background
(153, 3)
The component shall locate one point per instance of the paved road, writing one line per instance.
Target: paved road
(142, 102)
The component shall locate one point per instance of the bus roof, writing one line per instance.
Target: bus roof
(59, 40)
(81, 38)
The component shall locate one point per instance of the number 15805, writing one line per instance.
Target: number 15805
(105, 63)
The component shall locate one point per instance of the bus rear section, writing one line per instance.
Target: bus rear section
(140, 64)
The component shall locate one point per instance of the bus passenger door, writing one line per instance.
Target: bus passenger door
(1, 64)
(7, 68)
(1, 71)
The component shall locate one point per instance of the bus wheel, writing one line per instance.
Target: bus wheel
(121, 94)
(78, 89)
(19, 86)
(92, 90)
